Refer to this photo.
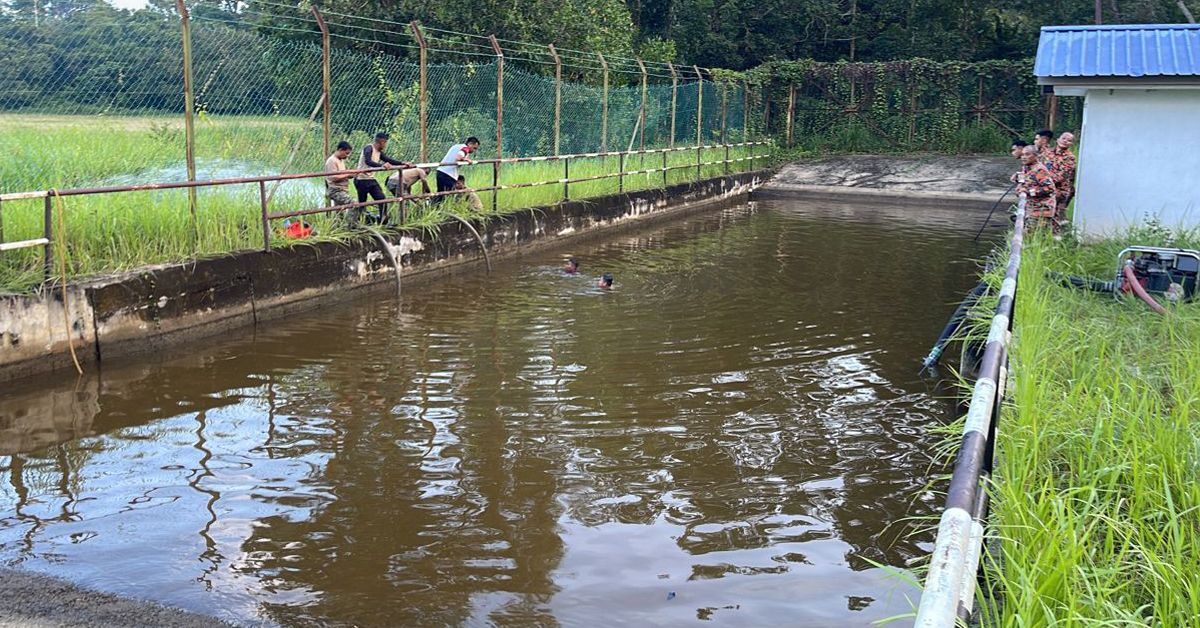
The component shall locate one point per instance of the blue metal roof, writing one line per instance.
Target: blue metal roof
(1131, 50)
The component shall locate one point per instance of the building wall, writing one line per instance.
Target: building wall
(1139, 158)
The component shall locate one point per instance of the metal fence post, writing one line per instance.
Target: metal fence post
(1, 223)
(727, 160)
(699, 160)
(620, 173)
(767, 110)
(557, 97)
(791, 112)
(325, 79)
(188, 106)
(567, 179)
(665, 152)
(642, 66)
(48, 234)
(424, 101)
(699, 106)
(724, 107)
(604, 108)
(674, 100)
(266, 222)
(745, 111)
(499, 120)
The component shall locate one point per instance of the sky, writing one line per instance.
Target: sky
(128, 4)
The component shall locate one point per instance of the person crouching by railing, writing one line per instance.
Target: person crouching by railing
(337, 186)
(1037, 184)
(473, 202)
(400, 183)
(373, 157)
(447, 172)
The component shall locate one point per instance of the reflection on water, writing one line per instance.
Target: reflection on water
(735, 433)
(307, 190)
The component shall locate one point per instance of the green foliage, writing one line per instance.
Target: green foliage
(1094, 499)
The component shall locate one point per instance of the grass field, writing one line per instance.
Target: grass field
(1095, 493)
(122, 231)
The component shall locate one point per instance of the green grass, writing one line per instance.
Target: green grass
(1096, 499)
(122, 231)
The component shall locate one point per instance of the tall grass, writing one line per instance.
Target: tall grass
(1096, 494)
(123, 231)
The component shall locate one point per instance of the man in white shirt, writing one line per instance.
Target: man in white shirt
(447, 173)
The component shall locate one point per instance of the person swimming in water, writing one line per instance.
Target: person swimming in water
(606, 281)
(572, 266)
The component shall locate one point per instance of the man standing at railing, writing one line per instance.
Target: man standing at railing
(337, 186)
(1037, 184)
(373, 157)
(1061, 162)
(447, 173)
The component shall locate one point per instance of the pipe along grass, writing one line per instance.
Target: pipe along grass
(1096, 494)
(123, 231)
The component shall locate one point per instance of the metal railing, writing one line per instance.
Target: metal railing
(264, 198)
(949, 593)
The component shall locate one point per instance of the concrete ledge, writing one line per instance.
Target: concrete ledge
(156, 307)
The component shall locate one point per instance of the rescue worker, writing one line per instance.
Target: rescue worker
(1062, 166)
(1044, 141)
(447, 173)
(1037, 184)
(337, 186)
(1017, 147)
(373, 157)
(473, 202)
(400, 183)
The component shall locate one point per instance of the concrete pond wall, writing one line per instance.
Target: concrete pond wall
(155, 307)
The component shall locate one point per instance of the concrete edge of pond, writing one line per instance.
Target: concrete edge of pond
(153, 308)
(901, 197)
(32, 600)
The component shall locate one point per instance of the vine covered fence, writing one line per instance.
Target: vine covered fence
(911, 105)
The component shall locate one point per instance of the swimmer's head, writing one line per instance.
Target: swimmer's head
(606, 281)
(572, 264)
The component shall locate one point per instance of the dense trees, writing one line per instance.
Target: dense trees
(735, 34)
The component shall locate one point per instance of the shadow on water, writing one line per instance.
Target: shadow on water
(734, 432)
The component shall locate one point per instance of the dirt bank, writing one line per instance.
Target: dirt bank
(32, 600)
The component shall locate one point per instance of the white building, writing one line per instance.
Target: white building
(1139, 153)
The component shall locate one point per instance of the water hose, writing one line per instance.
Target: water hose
(953, 325)
(62, 262)
(1071, 281)
(993, 210)
(1136, 287)
(482, 246)
(387, 250)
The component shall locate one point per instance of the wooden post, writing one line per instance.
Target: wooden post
(604, 108)
(424, 99)
(699, 109)
(1053, 112)
(499, 120)
(325, 82)
(188, 125)
(642, 144)
(557, 98)
(674, 100)
(791, 112)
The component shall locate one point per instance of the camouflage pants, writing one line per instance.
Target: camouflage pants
(350, 217)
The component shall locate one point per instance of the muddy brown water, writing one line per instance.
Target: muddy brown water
(736, 433)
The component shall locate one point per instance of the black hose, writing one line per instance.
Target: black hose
(993, 210)
(952, 325)
(1082, 282)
